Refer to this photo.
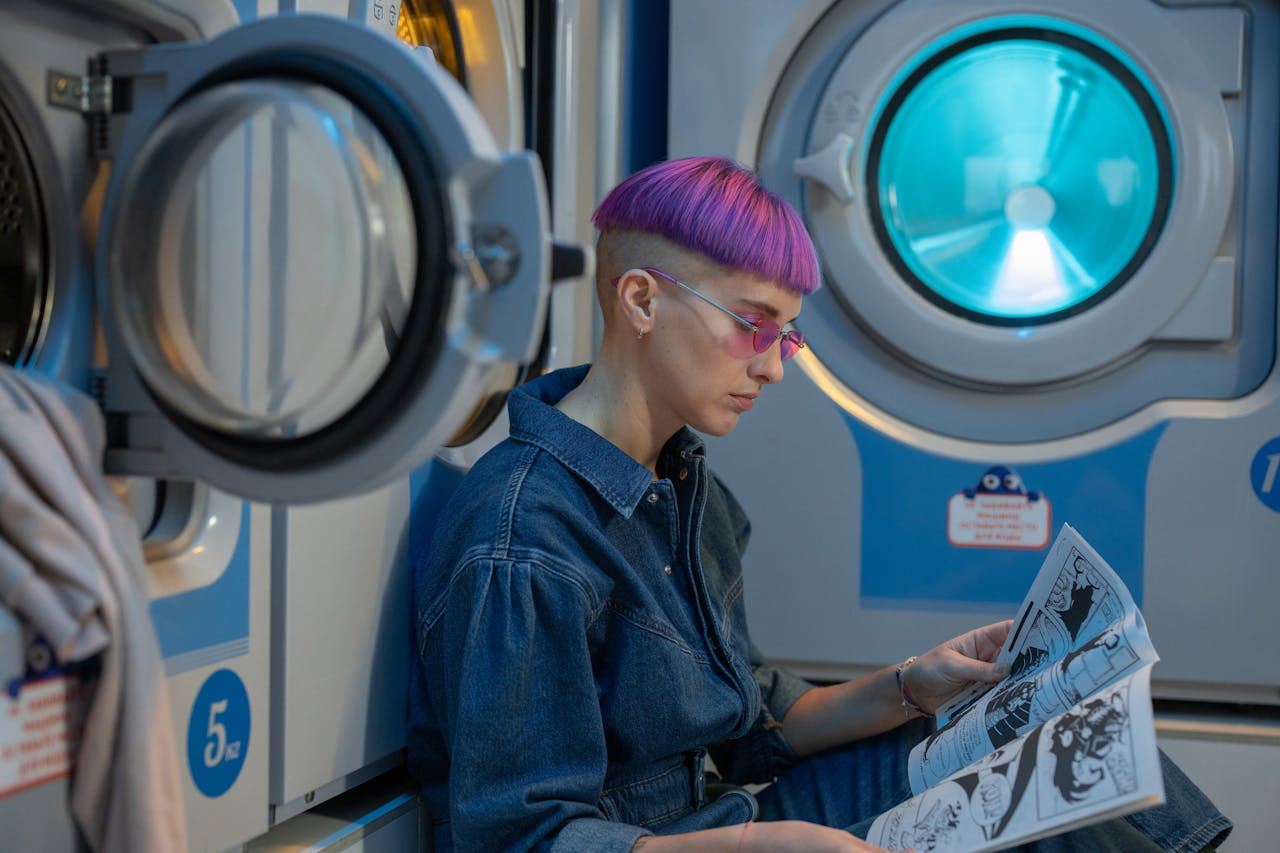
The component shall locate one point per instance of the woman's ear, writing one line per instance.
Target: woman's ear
(636, 290)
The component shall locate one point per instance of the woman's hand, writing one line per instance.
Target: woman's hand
(941, 672)
(782, 836)
(835, 714)
(790, 835)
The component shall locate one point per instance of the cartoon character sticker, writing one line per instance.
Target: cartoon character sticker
(999, 512)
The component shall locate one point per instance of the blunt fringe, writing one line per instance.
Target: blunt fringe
(717, 208)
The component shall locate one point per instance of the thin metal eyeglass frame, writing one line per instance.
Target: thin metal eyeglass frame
(796, 339)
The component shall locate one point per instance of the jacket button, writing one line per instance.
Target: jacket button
(653, 497)
(667, 568)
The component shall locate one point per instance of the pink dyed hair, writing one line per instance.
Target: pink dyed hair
(717, 208)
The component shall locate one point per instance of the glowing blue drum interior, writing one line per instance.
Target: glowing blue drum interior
(1019, 176)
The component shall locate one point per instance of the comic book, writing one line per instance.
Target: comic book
(1067, 739)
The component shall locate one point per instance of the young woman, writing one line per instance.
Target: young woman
(581, 635)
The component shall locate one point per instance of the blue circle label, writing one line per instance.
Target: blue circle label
(218, 733)
(1264, 473)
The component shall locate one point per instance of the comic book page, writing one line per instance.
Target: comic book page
(1077, 606)
(1095, 761)
(1026, 700)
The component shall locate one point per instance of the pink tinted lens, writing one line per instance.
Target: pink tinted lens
(766, 333)
(791, 343)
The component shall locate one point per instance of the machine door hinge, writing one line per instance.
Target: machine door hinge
(96, 96)
(87, 94)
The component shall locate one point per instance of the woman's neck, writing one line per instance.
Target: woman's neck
(616, 408)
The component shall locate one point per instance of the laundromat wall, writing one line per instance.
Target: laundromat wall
(284, 629)
(1000, 319)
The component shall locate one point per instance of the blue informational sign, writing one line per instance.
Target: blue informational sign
(1264, 473)
(940, 533)
(218, 733)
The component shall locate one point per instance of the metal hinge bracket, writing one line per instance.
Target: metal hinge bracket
(88, 95)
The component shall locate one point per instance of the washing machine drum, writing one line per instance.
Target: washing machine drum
(312, 257)
(23, 295)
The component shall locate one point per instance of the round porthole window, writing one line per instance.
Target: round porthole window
(1019, 176)
(268, 264)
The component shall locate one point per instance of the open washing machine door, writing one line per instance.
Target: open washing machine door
(311, 257)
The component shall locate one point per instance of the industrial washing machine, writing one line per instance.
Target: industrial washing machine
(1048, 238)
(298, 252)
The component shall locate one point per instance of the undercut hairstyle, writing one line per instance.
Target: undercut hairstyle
(718, 209)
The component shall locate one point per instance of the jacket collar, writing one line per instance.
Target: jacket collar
(616, 477)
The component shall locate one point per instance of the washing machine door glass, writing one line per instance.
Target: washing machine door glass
(1019, 176)
(276, 328)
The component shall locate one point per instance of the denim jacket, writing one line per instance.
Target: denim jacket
(582, 645)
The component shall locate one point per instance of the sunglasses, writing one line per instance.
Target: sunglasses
(764, 332)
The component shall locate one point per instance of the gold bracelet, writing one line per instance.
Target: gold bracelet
(908, 705)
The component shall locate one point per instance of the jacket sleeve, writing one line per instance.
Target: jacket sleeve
(507, 649)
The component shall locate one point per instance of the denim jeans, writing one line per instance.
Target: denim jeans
(850, 786)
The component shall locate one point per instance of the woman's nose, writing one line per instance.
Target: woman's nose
(766, 367)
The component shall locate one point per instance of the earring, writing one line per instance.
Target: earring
(639, 334)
